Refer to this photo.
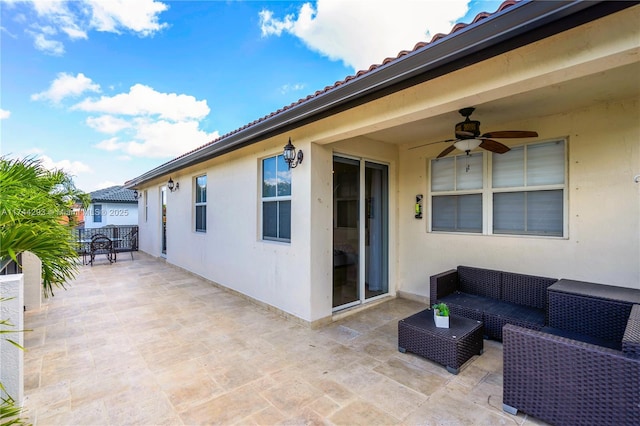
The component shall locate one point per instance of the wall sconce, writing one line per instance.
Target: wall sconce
(290, 155)
(136, 194)
(173, 187)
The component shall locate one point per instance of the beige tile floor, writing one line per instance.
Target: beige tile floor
(143, 343)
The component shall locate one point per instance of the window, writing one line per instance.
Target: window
(97, 213)
(201, 203)
(146, 206)
(276, 199)
(458, 183)
(521, 192)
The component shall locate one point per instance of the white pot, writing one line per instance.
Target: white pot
(441, 322)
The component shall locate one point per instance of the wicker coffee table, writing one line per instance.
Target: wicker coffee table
(450, 347)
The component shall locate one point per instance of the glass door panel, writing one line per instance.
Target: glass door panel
(346, 232)
(163, 202)
(376, 230)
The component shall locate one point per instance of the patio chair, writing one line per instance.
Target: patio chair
(101, 244)
(128, 243)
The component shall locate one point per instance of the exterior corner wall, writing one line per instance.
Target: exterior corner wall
(32, 270)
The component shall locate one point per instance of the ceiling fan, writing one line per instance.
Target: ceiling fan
(468, 136)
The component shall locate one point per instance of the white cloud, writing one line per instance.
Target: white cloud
(72, 167)
(144, 101)
(66, 85)
(51, 47)
(4, 114)
(57, 20)
(140, 16)
(291, 88)
(360, 33)
(108, 124)
(146, 123)
(158, 139)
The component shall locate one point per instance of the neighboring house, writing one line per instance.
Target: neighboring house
(341, 230)
(115, 205)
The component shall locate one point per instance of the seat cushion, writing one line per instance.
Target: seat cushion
(467, 305)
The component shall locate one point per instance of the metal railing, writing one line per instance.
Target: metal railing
(9, 266)
(125, 238)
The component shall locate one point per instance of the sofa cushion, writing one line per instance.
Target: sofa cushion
(525, 290)
(481, 282)
(467, 305)
(525, 314)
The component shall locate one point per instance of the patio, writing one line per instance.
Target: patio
(142, 342)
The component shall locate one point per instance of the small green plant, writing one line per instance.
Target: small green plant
(442, 310)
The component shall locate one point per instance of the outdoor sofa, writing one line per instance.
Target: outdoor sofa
(583, 368)
(494, 297)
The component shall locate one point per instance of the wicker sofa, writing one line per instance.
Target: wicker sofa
(584, 367)
(494, 297)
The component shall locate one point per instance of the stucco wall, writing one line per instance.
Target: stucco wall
(231, 251)
(112, 214)
(11, 357)
(603, 244)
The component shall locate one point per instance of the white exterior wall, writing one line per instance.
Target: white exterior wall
(603, 244)
(112, 214)
(231, 252)
(11, 357)
(149, 225)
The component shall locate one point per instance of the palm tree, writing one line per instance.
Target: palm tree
(33, 204)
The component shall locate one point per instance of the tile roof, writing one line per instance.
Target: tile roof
(421, 45)
(114, 194)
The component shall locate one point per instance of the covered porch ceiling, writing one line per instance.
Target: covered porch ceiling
(607, 86)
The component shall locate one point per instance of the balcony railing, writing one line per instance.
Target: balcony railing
(125, 238)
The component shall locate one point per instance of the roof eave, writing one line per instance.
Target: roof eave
(521, 18)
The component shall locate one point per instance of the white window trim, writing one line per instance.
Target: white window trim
(487, 195)
(276, 197)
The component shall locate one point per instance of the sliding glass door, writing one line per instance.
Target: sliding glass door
(360, 231)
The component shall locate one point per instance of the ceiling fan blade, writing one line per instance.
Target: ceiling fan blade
(432, 143)
(463, 134)
(494, 146)
(511, 134)
(446, 151)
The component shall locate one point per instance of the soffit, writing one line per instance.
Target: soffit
(611, 85)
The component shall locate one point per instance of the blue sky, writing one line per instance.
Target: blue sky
(108, 89)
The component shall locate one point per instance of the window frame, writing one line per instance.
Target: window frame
(146, 205)
(275, 198)
(97, 218)
(199, 204)
(488, 192)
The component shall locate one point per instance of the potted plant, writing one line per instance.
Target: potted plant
(441, 315)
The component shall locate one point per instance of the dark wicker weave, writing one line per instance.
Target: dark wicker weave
(584, 368)
(567, 382)
(494, 297)
(451, 347)
(592, 309)
(631, 338)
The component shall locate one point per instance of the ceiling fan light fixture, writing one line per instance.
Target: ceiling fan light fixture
(467, 145)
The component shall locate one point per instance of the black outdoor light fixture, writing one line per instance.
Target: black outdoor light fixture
(136, 195)
(173, 187)
(290, 155)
